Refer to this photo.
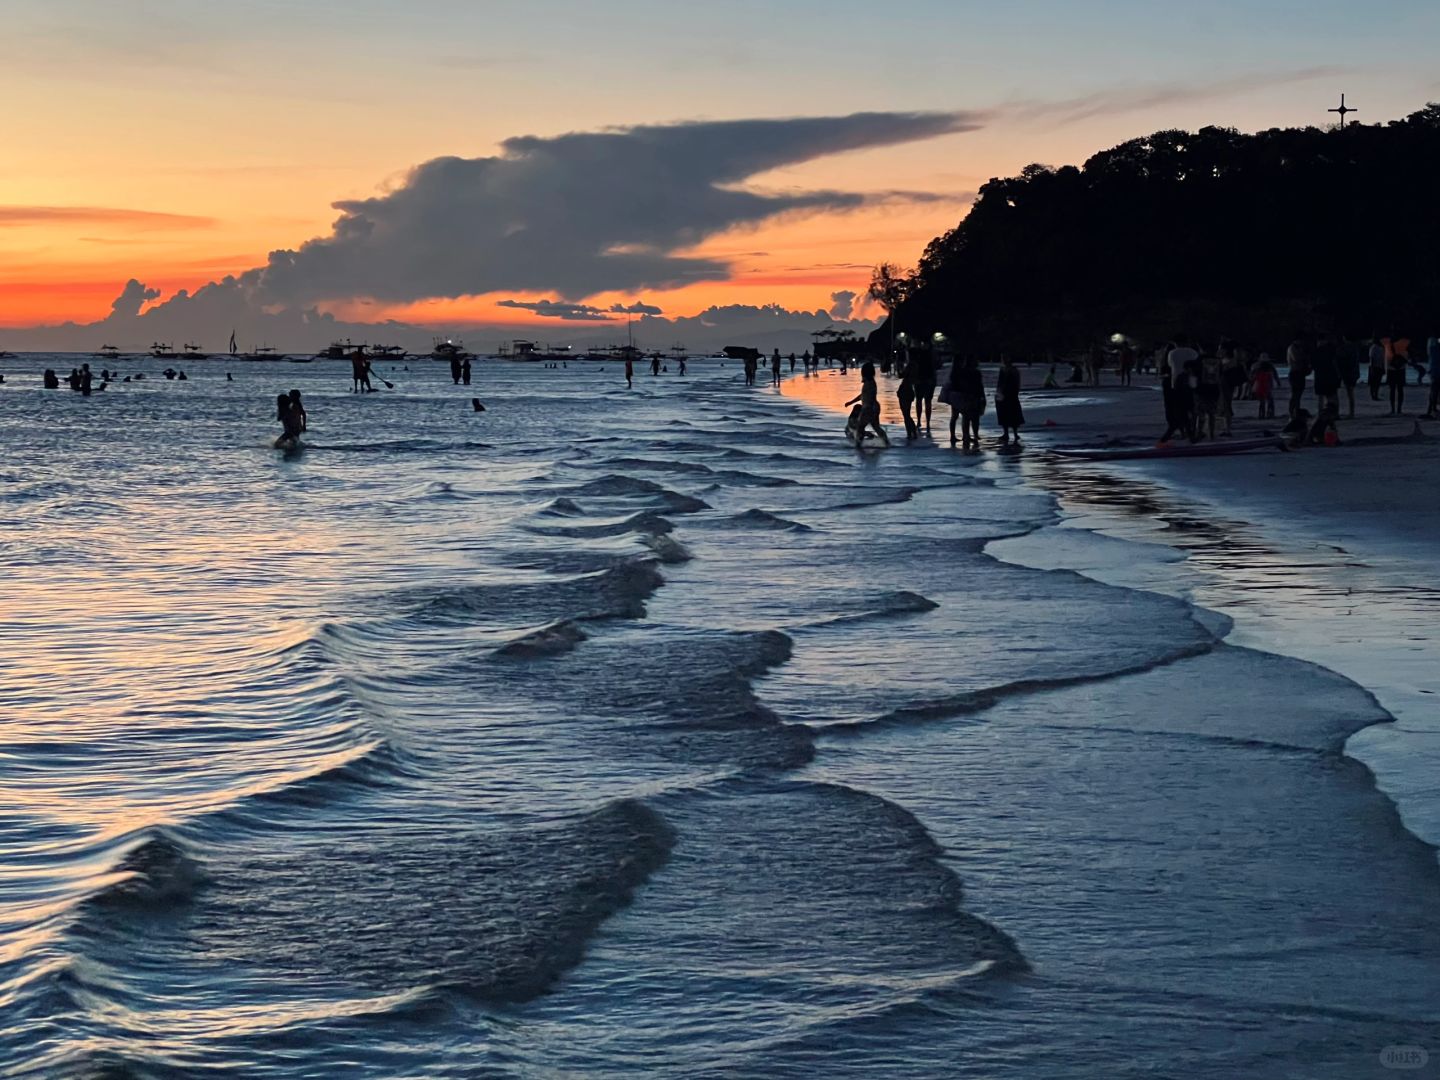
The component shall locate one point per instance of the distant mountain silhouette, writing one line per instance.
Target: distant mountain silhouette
(1214, 233)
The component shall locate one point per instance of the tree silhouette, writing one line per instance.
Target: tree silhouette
(1213, 232)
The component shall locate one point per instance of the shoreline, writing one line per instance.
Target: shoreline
(1307, 532)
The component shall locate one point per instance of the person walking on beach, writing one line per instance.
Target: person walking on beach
(869, 402)
(965, 394)
(1395, 364)
(1297, 360)
(1262, 387)
(682, 365)
(1347, 359)
(792, 363)
(1207, 396)
(1326, 367)
(924, 382)
(905, 394)
(1180, 362)
(1432, 357)
(1008, 413)
(1376, 374)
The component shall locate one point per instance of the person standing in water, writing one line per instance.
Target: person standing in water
(629, 372)
(465, 371)
(292, 420)
(905, 394)
(869, 401)
(775, 368)
(1008, 413)
(681, 361)
(924, 383)
(965, 392)
(297, 410)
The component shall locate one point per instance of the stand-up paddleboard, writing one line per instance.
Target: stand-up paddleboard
(1172, 450)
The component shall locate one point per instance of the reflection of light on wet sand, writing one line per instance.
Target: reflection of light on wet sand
(1366, 618)
(830, 390)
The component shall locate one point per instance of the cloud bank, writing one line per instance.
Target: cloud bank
(580, 213)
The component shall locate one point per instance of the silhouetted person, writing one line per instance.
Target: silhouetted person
(965, 392)
(905, 395)
(1325, 366)
(86, 380)
(1432, 357)
(869, 401)
(629, 373)
(1376, 373)
(655, 365)
(1298, 361)
(924, 381)
(52, 381)
(298, 410)
(475, 404)
(1008, 413)
(1347, 359)
(455, 370)
(1395, 364)
(792, 363)
(775, 368)
(465, 371)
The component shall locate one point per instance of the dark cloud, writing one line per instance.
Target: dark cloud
(581, 213)
(636, 308)
(131, 299)
(556, 309)
(842, 304)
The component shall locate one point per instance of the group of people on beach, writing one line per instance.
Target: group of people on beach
(1201, 386)
(964, 392)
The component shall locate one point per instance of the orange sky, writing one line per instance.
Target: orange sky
(186, 144)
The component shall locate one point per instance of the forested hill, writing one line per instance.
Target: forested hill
(1210, 233)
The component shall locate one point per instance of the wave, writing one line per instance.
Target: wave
(763, 519)
(619, 592)
(883, 606)
(630, 487)
(975, 701)
(549, 640)
(646, 521)
(159, 872)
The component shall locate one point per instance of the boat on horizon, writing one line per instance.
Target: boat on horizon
(160, 351)
(107, 352)
(449, 349)
(338, 350)
(192, 352)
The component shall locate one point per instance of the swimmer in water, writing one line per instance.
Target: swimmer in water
(299, 411)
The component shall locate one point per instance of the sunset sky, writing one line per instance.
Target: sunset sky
(177, 142)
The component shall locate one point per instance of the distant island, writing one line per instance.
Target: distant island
(1213, 233)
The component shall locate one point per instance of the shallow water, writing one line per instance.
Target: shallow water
(651, 732)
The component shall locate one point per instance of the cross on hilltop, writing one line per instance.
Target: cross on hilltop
(1344, 110)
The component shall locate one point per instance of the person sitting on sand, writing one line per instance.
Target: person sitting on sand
(1008, 413)
(869, 400)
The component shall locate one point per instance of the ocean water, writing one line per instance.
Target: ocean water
(651, 732)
